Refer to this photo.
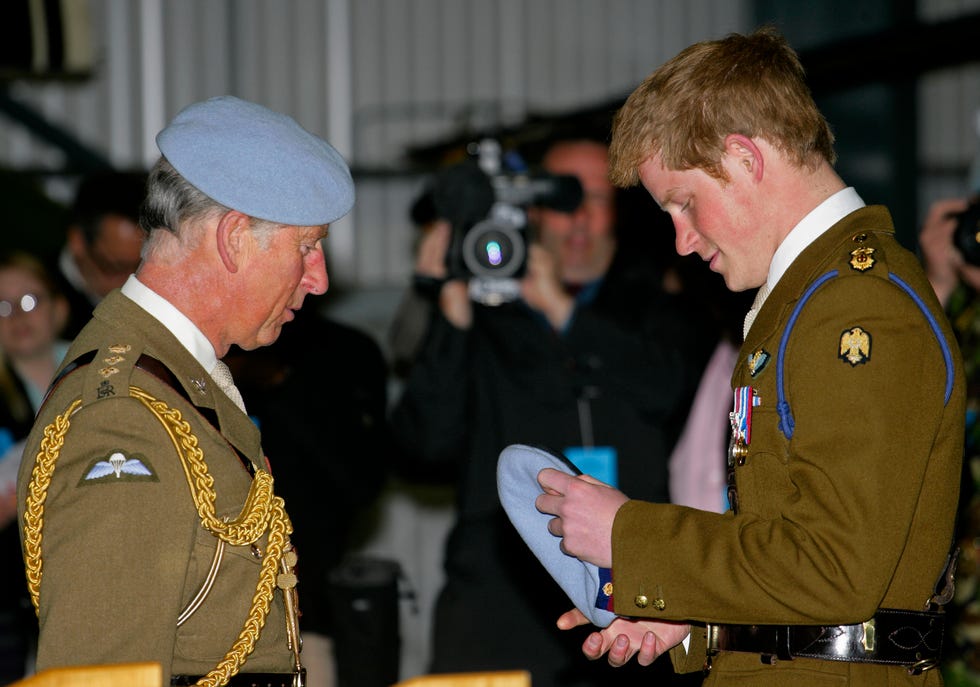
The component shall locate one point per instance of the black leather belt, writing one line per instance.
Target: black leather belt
(296, 679)
(892, 637)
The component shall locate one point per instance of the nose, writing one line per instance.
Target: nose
(685, 239)
(315, 279)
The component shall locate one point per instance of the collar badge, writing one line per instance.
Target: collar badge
(757, 361)
(862, 258)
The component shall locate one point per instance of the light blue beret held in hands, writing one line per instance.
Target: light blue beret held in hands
(517, 484)
(259, 162)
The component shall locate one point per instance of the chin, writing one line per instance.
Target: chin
(733, 285)
(270, 337)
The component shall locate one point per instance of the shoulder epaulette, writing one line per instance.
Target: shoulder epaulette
(109, 372)
(106, 370)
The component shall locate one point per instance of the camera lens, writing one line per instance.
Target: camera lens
(493, 249)
(966, 237)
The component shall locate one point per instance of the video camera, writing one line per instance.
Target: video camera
(966, 236)
(485, 198)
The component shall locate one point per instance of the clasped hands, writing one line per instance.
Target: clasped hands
(584, 510)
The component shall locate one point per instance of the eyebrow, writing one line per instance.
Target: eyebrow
(668, 196)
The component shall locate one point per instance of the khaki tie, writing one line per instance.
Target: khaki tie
(222, 377)
(760, 298)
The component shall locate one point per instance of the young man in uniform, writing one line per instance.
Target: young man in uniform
(847, 434)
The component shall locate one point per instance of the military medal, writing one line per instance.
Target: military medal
(738, 445)
(741, 419)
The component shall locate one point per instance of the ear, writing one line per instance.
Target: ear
(76, 242)
(745, 155)
(233, 236)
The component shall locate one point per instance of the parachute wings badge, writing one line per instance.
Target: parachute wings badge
(119, 466)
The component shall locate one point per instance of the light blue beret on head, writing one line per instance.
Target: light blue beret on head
(517, 484)
(259, 162)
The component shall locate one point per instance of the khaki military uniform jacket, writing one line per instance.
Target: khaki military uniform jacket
(123, 550)
(846, 497)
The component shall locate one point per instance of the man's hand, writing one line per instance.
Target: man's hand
(541, 288)
(454, 301)
(584, 510)
(943, 262)
(430, 255)
(625, 638)
(430, 261)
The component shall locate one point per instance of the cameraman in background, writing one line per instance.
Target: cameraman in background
(951, 255)
(592, 358)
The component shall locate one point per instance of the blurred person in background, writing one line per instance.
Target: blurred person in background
(32, 315)
(319, 396)
(410, 323)
(103, 241)
(955, 277)
(593, 359)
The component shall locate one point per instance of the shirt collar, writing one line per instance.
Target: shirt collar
(810, 228)
(176, 322)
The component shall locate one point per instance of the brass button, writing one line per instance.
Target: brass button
(641, 601)
(286, 580)
(256, 552)
(659, 604)
(860, 238)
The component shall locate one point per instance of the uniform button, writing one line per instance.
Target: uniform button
(659, 604)
(256, 552)
(641, 601)
(860, 238)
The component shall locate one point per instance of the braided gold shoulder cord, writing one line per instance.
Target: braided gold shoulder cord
(262, 510)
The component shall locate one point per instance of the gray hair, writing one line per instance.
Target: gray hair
(174, 205)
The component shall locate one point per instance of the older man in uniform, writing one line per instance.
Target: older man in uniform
(150, 528)
(847, 433)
